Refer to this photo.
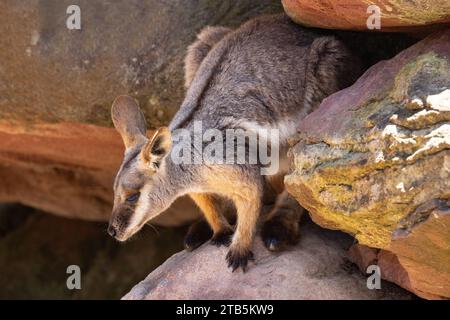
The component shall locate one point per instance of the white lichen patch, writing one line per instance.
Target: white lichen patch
(379, 157)
(437, 140)
(414, 104)
(440, 101)
(421, 119)
(398, 139)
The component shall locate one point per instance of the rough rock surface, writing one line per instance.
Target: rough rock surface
(397, 15)
(316, 268)
(373, 160)
(57, 86)
(68, 169)
(136, 47)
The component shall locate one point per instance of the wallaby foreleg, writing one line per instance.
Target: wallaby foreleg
(244, 187)
(248, 209)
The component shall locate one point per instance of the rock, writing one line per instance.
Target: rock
(316, 268)
(68, 169)
(36, 248)
(363, 256)
(426, 243)
(56, 88)
(373, 161)
(400, 15)
(50, 73)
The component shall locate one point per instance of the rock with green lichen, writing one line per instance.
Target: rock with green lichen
(373, 160)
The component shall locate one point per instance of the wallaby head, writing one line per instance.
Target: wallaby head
(142, 187)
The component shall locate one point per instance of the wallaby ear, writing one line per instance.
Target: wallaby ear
(128, 120)
(157, 148)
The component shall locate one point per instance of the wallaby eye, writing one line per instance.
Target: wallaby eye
(133, 197)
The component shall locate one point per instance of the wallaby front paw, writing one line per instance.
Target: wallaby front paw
(238, 259)
(277, 234)
(222, 238)
(199, 232)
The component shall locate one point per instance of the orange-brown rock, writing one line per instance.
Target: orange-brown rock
(67, 169)
(397, 15)
(403, 262)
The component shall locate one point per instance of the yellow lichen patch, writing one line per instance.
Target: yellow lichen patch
(354, 208)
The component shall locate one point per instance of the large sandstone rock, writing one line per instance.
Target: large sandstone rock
(314, 269)
(398, 15)
(57, 86)
(373, 160)
(68, 169)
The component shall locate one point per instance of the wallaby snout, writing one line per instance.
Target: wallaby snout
(120, 224)
(112, 231)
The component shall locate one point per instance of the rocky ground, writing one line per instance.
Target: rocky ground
(316, 268)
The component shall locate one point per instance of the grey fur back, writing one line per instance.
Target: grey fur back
(266, 71)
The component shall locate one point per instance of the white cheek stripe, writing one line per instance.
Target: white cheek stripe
(142, 208)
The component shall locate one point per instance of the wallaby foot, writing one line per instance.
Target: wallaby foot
(281, 228)
(278, 233)
(222, 238)
(198, 233)
(239, 258)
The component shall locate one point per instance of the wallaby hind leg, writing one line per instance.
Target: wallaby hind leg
(281, 225)
(198, 233)
(212, 211)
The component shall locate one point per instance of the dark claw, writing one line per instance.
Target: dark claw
(236, 260)
(272, 244)
(222, 238)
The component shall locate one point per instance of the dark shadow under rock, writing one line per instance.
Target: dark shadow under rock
(36, 248)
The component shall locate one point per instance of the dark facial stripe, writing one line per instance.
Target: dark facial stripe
(126, 164)
(131, 158)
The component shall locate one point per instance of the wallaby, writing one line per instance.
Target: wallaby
(267, 74)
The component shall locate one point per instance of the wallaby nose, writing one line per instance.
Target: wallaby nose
(112, 231)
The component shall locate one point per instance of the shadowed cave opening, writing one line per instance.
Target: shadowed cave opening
(36, 248)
